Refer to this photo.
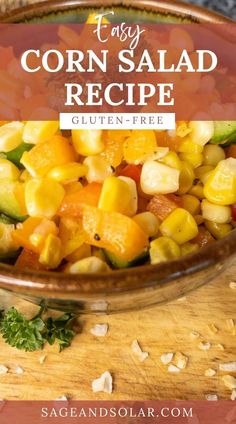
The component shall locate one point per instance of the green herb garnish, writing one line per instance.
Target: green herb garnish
(32, 334)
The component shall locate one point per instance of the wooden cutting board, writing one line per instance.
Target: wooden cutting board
(159, 330)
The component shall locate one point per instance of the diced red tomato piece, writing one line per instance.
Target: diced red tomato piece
(132, 171)
(204, 237)
(233, 208)
(29, 260)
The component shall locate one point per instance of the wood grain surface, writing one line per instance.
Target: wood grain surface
(159, 330)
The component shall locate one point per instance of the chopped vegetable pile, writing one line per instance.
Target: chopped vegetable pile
(92, 200)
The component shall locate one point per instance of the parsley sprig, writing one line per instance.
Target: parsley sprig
(32, 334)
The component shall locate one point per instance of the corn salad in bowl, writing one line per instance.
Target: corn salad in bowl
(91, 201)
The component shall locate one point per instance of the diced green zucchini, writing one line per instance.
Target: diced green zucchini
(223, 131)
(15, 155)
(118, 263)
(8, 202)
(4, 219)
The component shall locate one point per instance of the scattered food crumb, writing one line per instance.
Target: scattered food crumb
(138, 351)
(211, 397)
(229, 381)
(166, 358)
(180, 360)
(230, 326)
(228, 366)
(233, 395)
(212, 329)
(210, 372)
(42, 359)
(204, 345)
(3, 369)
(173, 368)
(18, 370)
(232, 285)
(62, 397)
(194, 335)
(220, 346)
(99, 330)
(103, 383)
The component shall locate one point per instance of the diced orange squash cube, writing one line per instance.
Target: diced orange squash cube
(48, 154)
(22, 234)
(141, 144)
(89, 195)
(113, 231)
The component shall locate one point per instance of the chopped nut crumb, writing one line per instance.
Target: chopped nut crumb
(99, 330)
(103, 383)
(220, 346)
(211, 397)
(231, 326)
(233, 395)
(228, 366)
(204, 345)
(166, 358)
(138, 351)
(19, 370)
(173, 368)
(212, 329)
(232, 285)
(180, 360)
(194, 335)
(42, 359)
(229, 381)
(210, 372)
(3, 369)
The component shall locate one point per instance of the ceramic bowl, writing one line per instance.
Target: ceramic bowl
(140, 286)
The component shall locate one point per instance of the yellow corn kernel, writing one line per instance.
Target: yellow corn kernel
(84, 251)
(215, 213)
(38, 131)
(220, 187)
(180, 226)
(187, 146)
(186, 178)
(199, 219)
(191, 203)
(182, 129)
(88, 142)
(98, 169)
(213, 154)
(197, 191)
(203, 172)
(68, 172)
(188, 248)
(218, 230)
(148, 222)
(73, 187)
(43, 197)
(195, 159)
(202, 131)
(87, 265)
(11, 136)
(93, 19)
(163, 249)
(133, 204)
(172, 160)
(116, 196)
(158, 178)
(50, 255)
(40, 233)
(8, 170)
(7, 243)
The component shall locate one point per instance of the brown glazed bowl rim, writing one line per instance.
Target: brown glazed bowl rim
(136, 278)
